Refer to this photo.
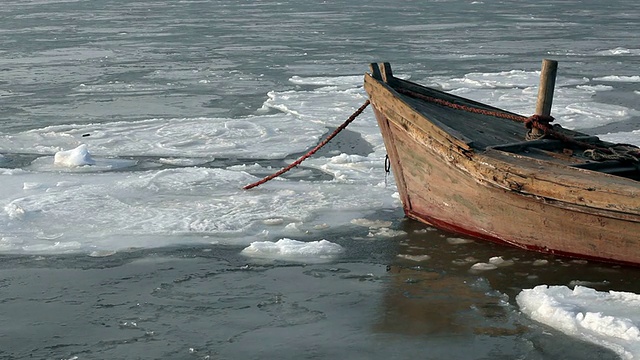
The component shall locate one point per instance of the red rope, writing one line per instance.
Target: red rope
(313, 151)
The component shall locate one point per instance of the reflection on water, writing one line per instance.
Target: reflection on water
(443, 296)
(423, 301)
(514, 269)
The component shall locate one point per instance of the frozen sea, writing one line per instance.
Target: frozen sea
(128, 128)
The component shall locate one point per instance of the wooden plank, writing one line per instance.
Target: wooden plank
(562, 183)
(387, 74)
(397, 166)
(383, 98)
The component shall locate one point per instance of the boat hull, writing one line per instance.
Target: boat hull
(443, 185)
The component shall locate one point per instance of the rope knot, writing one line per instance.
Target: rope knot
(541, 122)
(538, 126)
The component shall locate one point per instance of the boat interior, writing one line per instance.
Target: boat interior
(482, 132)
(572, 155)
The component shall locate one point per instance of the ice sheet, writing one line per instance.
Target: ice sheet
(610, 319)
(106, 207)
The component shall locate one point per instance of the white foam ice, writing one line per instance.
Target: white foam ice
(416, 258)
(343, 82)
(294, 250)
(75, 157)
(503, 80)
(48, 208)
(493, 263)
(588, 114)
(121, 87)
(185, 161)
(48, 163)
(371, 224)
(617, 78)
(304, 118)
(262, 137)
(77, 160)
(329, 105)
(115, 211)
(609, 319)
(593, 88)
(632, 137)
(619, 51)
(384, 232)
(482, 266)
(458, 241)
(516, 91)
(540, 262)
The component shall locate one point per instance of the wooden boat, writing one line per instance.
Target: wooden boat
(466, 167)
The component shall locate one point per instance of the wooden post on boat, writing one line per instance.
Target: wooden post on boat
(387, 74)
(545, 91)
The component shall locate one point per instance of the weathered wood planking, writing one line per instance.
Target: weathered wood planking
(446, 180)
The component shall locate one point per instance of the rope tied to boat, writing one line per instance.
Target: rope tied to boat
(621, 152)
(541, 122)
(312, 151)
(597, 153)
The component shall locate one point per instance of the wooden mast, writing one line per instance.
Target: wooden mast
(545, 91)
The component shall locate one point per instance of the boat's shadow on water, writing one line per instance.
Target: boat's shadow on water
(442, 295)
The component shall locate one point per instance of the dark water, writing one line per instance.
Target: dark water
(211, 303)
(146, 59)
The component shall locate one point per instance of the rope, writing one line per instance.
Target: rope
(621, 152)
(535, 121)
(313, 151)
